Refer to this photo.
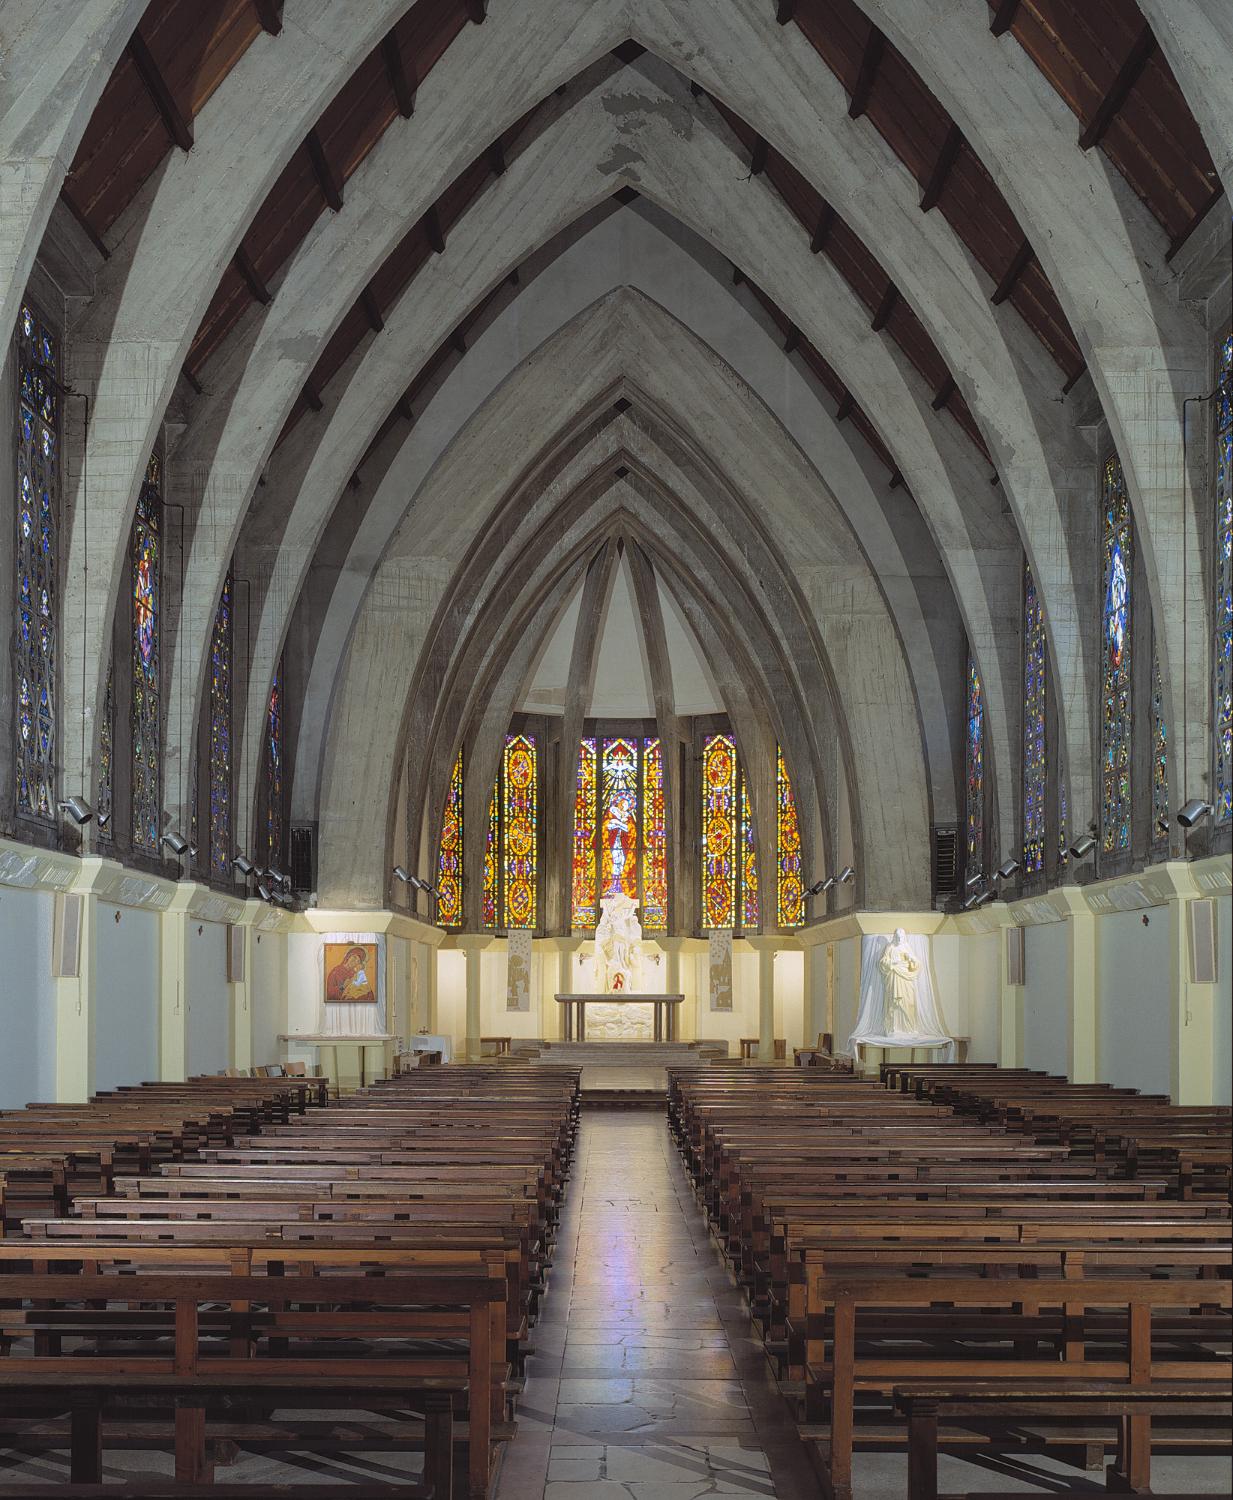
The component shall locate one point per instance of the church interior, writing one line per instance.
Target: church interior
(619, 718)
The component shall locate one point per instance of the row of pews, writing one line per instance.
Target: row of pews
(283, 1276)
(973, 1258)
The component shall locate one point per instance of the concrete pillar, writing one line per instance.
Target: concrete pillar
(1191, 1004)
(74, 996)
(1010, 999)
(428, 978)
(173, 986)
(473, 945)
(766, 948)
(241, 992)
(817, 984)
(567, 982)
(1083, 973)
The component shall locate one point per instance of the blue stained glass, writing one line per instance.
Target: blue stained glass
(274, 771)
(1034, 758)
(1222, 708)
(1160, 757)
(1116, 714)
(147, 687)
(220, 737)
(975, 782)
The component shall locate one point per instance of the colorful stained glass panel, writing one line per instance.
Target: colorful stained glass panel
(654, 912)
(449, 857)
(719, 832)
(1222, 708)
(1160, 757)
(1034, 759)
(586, 839)
(1116, 716)
(618, 831)
(146, 701)
(975, 782)
(220, 737)
(520, 831)
(274, 790)
(492, 859)
(790, 876)
(749, 861)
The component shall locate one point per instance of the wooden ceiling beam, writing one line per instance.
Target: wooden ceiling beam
(758, 156)
(784, 11)
(404, 408)
(270, 15)
(887, 306)
(323, 171)
(1128, 75)
(88, 229)
(1003, 17)
(941, 168)
(943, 393)
(458, 340)
(792, 339)
(496, 158)
(179, 128)
(477, 10)
(871, 60)
(432, 228)
(737, 275)
(311, 395)
(252, 277)
(846, 406)
(1012, 274)
(896, 479)
(822, 229)
(402, 82)
(372, 309)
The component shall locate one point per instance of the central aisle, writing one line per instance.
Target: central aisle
(645, 1383)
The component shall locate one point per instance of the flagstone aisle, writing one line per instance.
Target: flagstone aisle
(645, 1383)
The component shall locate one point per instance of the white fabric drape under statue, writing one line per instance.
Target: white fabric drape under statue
(898, 1006)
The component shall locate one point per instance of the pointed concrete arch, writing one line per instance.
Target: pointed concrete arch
(577, 367)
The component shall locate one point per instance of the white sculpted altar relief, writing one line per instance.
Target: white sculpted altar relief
(899, 969)
(617, 969)
(898, 1007)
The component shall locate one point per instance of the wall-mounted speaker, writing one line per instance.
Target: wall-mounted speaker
(235, 954)
(1202, 936)
(66, 937)
(1016, 956)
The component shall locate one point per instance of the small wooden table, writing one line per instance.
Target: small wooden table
(749, 1047)
(574, 1012)
(500, 1044)
(351, 1061)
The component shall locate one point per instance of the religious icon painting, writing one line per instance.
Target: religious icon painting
(350, 973)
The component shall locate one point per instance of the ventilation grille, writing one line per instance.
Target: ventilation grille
(304, 858)
(945, 861)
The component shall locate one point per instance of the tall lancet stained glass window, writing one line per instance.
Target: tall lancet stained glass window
(37, 556)
(1160, 757)
(1034, 695)
(220, 737)
(275, 789)
(105, 797)
(654, 913)
(618, 868)
(583, 910)
(620, 839)
(146, 556)
(1222, 714)
(449, 855)
(492, 857)
(520, 831)
(1116, 717)
(791, 893)
(975, 781)
(720, 849)
(750, 910)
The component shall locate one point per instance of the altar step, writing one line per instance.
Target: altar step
(628, 1075)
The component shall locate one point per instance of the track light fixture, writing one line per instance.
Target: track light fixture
(401, 874)
(1007, 868)
(974, 880)
(192, 851)
(244, 865)
(1194, 812)
(263, 891)
(847, 875)
(103, 819)
(816, 888)
(971, 901)
(173, 841)
(1082, 847)
(78, 809)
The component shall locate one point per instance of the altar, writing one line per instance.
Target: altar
(662, 1021)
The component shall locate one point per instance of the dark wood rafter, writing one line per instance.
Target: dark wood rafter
(179, 128)
(737, 275)
(311, 395)
(758, 157)
(252, 277)
(372, 309)
(871, 60)
(1011, 275)
(784, 11)
(941, 168)
(269, 15)
(1128, 75)
(943, 393)
(401, 81)
(896, 479)
(458, 340)
(477, 10)
(496, 158)
(323, 171)
(822, 229)
(433, 230)
(404, 409)
(1003, 17)
(846, 405)
(83, 223)
(890, 298)
(792, 339)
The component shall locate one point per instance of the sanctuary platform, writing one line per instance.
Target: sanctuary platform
(631, 1075)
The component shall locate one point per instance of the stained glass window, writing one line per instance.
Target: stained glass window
(1160, 757)
(1034, 694)
(975, 772)
(274, 790)
(38, 495)
(619, 819)
(749, 861)
(520, 831)
(449, 857)
(586, 839)
(492, 843)
(105, 796)
(719, 833)
(220, 737)
(1222, 716)
(1116, 717)
(146, 560)
(654, 913)
(791, 880)
(1063, 819)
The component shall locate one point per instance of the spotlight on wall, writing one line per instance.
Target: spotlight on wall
(192, 851)
(244, 865)
(276, 875)
(1081, 848)
(829, 883)
(78, 809)
(847, 875)
(1007, 868)
(103, 819)
(263, 891)
(816, 888)
(401, 874)
(173, 841)
(984, 896)
(974, 880)
(1193, 812)
(971, 901)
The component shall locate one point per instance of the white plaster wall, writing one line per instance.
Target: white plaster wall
(790, 997)
(847, 989)
(303, 982)
(27, 999)
(209, 999)
(397, 979)
(949, 954)
(1046, 1003)
(452, 996)
(1222, 1049)
(126, 994)
(984, 985)
(267, 992)
(1133, 1023)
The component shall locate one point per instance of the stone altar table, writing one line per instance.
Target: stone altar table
(574, 1014)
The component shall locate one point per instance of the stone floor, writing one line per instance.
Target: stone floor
(646, 1383)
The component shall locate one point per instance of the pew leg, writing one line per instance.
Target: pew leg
(191, 1467)
(1131, 1472)
(923, 1454)
(439, 1444)
(86, 1442)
